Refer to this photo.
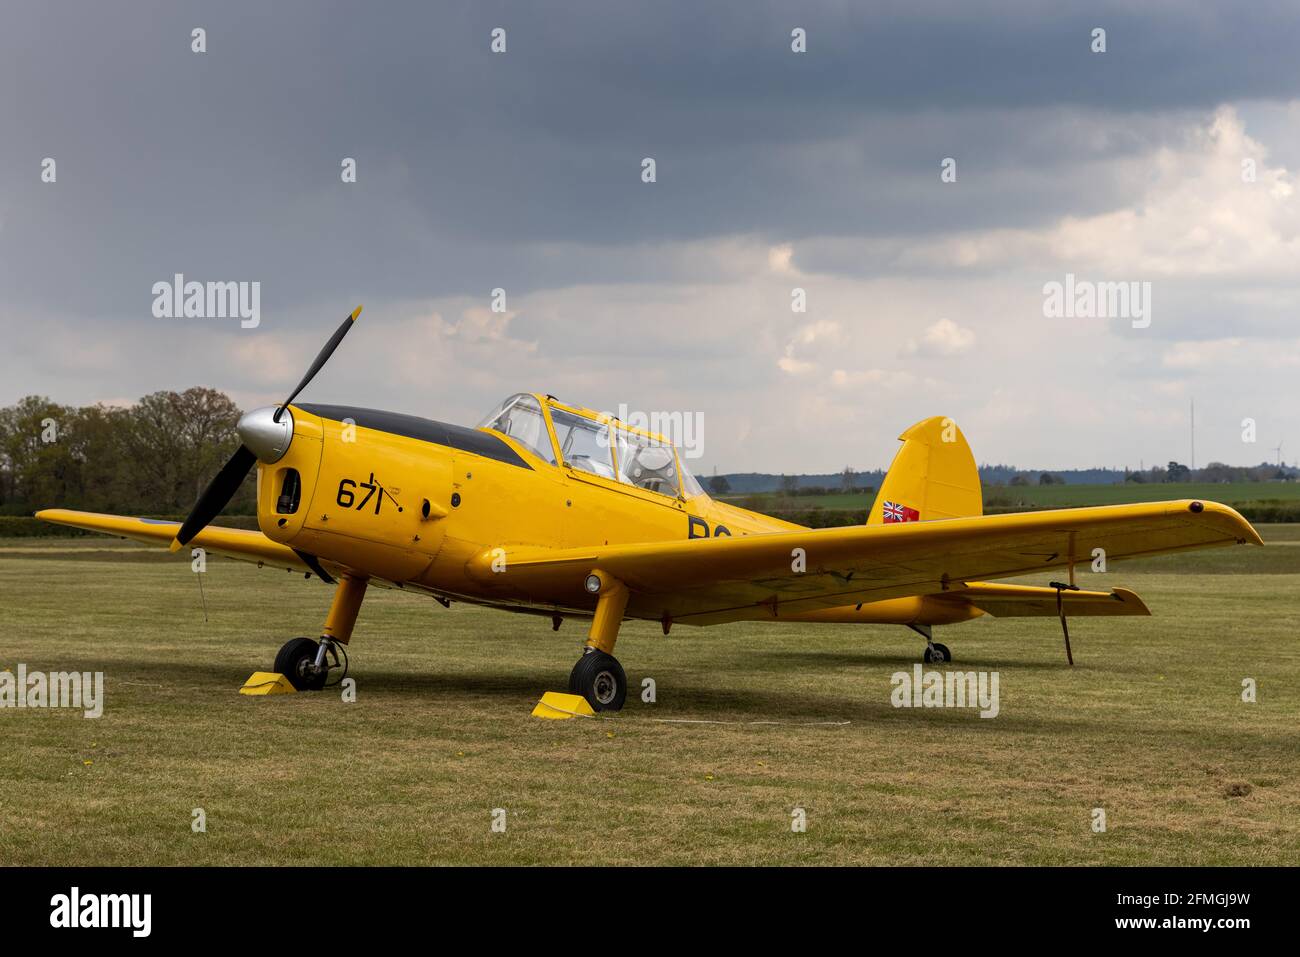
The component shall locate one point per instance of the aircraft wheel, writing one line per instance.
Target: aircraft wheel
(937, 654)
(297, 662)
(599, 678)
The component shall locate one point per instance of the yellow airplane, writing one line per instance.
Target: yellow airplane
(560, 511)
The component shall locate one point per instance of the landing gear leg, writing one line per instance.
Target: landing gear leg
(305, 662)
(935, 653)
(598, 676)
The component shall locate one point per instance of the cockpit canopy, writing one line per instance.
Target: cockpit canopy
(595, 443)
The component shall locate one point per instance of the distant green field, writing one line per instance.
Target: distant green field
(1275, 501)
(1066, 496)
(751, 721)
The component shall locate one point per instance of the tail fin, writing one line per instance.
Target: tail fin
(933, 476)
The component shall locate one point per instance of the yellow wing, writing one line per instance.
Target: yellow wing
(241, 544)
(704, 581)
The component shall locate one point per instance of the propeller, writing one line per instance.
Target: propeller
(322, 357)
(220, 490)
(226, 482)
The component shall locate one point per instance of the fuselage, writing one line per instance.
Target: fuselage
(413, 501)
(419, 503)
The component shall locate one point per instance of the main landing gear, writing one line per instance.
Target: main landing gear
(598, 676)
(306, 662)
(935, 653)
(296, 660)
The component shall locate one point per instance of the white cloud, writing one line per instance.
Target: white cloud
(1196, 355)
(1198, 217)
(1231, 356)
(943, 339)
(1189, 214)
(779, 257)
(824, 331)
(793, 366)
(844, 378)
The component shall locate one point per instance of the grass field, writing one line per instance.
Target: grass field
(1150, 726)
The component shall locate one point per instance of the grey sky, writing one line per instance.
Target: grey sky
(818, 170)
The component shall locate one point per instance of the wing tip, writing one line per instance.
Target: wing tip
(1245, 532)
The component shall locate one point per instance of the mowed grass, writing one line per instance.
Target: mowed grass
(1149, 726)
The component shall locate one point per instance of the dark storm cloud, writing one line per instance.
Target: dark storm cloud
(226, 164)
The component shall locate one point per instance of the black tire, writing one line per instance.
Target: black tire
(295, 660)
(599, 678)
(941, 654)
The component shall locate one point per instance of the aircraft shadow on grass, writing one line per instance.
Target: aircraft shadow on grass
(682, 698)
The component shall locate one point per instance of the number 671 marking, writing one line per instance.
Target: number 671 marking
(347, 496)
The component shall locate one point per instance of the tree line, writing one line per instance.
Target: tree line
(150, 458)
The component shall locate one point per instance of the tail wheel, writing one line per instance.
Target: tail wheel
(296, 660)
(599, 678)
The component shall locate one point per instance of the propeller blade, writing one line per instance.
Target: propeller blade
(321, 358)
(216, 496)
